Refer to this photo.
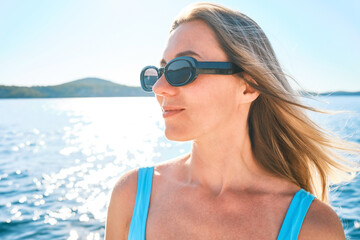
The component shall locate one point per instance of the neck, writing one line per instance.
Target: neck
(225, 162)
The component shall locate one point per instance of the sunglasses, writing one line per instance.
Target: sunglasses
(184, 70)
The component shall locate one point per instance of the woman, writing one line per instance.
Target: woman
(256, 159)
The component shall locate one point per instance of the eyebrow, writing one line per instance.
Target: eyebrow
(181, 54)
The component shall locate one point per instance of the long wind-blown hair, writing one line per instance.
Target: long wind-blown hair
(285, 141)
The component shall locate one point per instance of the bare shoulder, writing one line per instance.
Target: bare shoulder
(126, 183)
(321, 222)
(121, 206)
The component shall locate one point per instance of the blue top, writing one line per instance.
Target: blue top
(289, 230)
(295, 215)
(138, 221)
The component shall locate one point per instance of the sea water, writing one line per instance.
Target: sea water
(60, 158)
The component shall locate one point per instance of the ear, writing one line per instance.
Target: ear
(248, 93)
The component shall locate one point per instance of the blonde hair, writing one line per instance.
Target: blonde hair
(285, 141)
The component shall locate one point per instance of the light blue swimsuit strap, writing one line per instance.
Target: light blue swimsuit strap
(138, 221)
(295, 215)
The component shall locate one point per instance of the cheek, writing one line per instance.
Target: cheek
(214, 103)
(217, 95)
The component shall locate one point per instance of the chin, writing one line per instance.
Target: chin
(179, 136)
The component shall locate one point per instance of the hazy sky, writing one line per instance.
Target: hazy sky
(51, 42)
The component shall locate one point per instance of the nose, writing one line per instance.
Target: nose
(163, 88)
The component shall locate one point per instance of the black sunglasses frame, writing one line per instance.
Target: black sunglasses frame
(196, 68)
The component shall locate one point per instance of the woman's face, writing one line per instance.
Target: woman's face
(208, 105)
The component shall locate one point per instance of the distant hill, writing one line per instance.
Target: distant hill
(87, 87)
(340, 93)
(331, 94)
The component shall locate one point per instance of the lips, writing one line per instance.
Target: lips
(171, 110)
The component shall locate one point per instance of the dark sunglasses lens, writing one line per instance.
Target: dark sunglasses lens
(178, 73)
(150, 78)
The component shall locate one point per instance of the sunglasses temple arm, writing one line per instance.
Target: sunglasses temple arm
(225, 68)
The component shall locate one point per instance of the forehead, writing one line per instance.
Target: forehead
(195, 36)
